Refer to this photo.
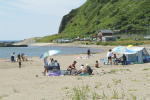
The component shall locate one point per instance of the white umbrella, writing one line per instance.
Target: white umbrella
(50, 53)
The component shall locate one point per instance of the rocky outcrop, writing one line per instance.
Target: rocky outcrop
(66, 19)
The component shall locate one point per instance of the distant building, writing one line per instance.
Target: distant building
(147, 37)
(63, 40)
(106, 35)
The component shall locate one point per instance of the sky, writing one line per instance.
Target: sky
(22, 19)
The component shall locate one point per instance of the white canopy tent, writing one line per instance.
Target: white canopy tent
(133, 54)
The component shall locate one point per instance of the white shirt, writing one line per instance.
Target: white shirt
(82, 67)
(51, 63)
(109, 54)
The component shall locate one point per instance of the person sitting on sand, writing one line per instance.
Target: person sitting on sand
(51, 64)
(85, 70)
(89, 70)
(82, 70)
(115, 59)
(57, 66)
(72, 68)
(97, 64)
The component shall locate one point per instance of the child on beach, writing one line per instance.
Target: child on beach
(19, 60)
(97, 64)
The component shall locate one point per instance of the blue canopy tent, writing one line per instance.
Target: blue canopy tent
(134, 54)
(123, 50)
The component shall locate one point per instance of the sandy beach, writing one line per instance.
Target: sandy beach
(109, 82)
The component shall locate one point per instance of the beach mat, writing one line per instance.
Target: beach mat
(64, 72)
(58, 73)
(85, 74)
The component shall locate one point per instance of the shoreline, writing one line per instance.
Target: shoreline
(68, 44)
(103, 48)
(80, 45)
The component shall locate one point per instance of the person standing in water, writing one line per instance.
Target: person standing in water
(88, 53)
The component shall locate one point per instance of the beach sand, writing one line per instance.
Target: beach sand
(130, 82)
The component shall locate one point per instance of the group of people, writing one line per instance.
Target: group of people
(20, 57)
(113, 59)
(50, 65)
(83, 69)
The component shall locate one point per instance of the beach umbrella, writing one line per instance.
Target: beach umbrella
(50, 53)
(130, 46)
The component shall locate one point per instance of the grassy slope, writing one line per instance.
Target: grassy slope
(106, 14)
(119, 14)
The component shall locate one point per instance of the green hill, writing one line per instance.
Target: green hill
(132, 16)
(125, 15)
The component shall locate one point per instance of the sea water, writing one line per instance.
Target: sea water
(5, 52)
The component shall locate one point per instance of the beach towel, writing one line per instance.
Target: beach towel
(82, 57)
(59, 73)
(84, 74)
(54, 73)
